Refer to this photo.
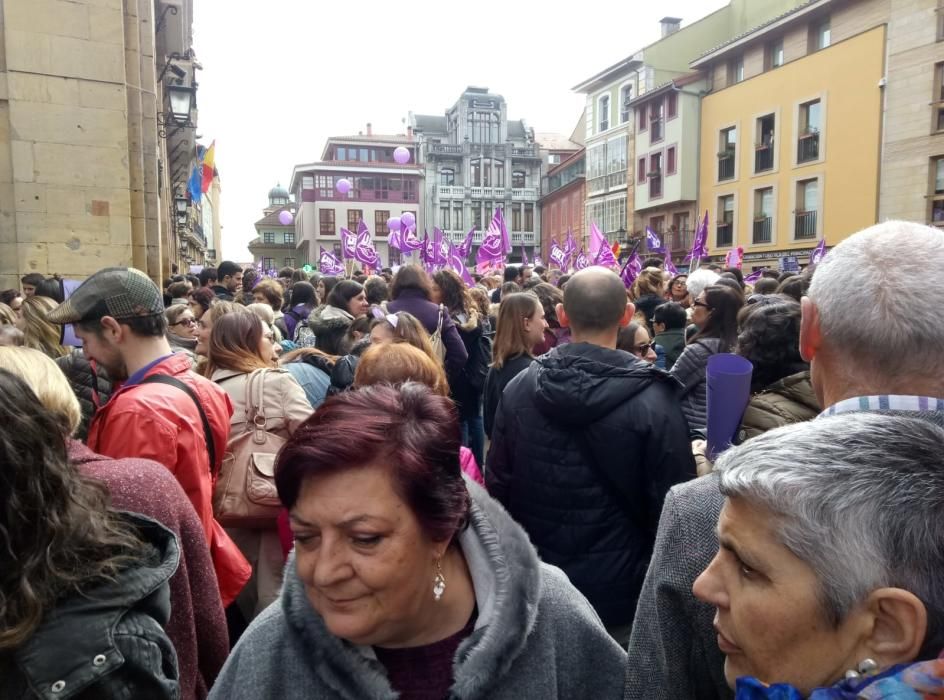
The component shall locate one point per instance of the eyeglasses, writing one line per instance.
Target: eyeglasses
(186, 322)
(644, 348)
(701, 304)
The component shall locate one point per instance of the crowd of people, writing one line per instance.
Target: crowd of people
(402, 485)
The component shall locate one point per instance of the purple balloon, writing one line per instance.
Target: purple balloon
(393, 223)
(344, 185)
(401, 155)
(408, 219)
(286, 218)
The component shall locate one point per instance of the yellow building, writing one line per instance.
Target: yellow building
(791, 133)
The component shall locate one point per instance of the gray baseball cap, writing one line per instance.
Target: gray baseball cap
(119, 292)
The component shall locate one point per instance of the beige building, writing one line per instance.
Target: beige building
(90, 154)
(274, 246)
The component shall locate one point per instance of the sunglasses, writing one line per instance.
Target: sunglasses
(644, 348)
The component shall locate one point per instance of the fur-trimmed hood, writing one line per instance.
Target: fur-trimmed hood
(535, 635)
(329, 319)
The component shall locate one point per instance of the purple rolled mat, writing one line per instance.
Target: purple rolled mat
(729, 390)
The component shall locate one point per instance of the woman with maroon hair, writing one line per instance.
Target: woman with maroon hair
(406, 580)
(241, 359)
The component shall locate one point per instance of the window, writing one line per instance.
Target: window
(325, 186)
(626, 96)
(614, 216)
(727, 155)
(518, 179)
(499, 173)
(529, 217)
(289, 262)
(657, 224)
(380, 222)
(940, 20)
(353, 218)
(268, 264)
(655, 175)
(447, 177)
(643, 121)
(820, 36)
(476, 169)
(444, 218)
(773, 55)
(603, 112)
(326, 222)
(937, 191)
(268, 238)
(764, 146)
(308, 182)
(725, 234)
(656, 127)
(671, 105)
(763, 215)
(736, 70)
(516, 217)
(641, 176)
(340, 153)
(288, 238)
(807, 205)
(937, 97)
(810, 127)
(670, 160)
(616, 155)
(484, 127)
(477, 217)
(457, 216)
(486, 172)
(553, 159)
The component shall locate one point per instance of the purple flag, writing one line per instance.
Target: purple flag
(570, 248)
(670, 266)
(754, 276)
(597, 240)
(348, 244)
(458, 264)
(441, 247)
(395, 239)
(364, 251)
(491, 252)
(604, 255)
(465, 247)
(429, 248)
(581, 262)
(631, 269)
(409, 240)
(819, 252)
(557, 256)
(538, 261)
(700, 242)
(329, 263)
(498, 221)
(653, 242)
(524, 255)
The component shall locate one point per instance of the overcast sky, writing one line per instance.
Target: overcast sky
(281, 77)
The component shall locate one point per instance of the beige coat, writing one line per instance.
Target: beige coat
(286, 408)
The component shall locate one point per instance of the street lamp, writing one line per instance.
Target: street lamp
(181, 103)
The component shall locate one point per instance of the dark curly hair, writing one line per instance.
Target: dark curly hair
(770, 338)
(57, 535)
(549, 296)
(455, 296)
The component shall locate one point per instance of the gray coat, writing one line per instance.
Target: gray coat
(691, 370)
(535, 637)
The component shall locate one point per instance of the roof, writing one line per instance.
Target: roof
(278, 191)
(714, 52)
(681, 81)
(428, 123)
(568, 161)
(516, 129)
(398, 138)
(616, 69)
(556, 142)
(272, 218)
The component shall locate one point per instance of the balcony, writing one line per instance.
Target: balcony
(525, 152)
(763, 227)
(487, 192)
(808, 146)
(524, 238)
(446, 149)
(805, 225)
(655, 130)
(359, 195)
(451, 191)
(655, 183)
(725, 236)
(763, 157)
(596, 185)
(726, 165)
(680, 240)
(524, 194)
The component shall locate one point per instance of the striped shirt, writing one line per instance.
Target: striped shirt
(885, 403)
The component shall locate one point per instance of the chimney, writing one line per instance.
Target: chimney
(669, 25)
(370, 131)
(409, 132)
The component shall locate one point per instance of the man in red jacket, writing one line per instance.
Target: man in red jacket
(162, 411)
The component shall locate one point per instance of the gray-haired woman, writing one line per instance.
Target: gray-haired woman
(832, 549)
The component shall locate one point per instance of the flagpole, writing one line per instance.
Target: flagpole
(631, 254)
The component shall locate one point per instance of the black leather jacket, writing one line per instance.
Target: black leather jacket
(109, 642)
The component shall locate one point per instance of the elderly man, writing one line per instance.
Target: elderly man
(884, 357)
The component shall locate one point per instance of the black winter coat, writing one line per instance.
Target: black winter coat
(596, 522)
(495, 384)
(86, 382)
(110, 641)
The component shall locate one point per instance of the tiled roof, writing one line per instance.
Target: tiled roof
(272, 218)
(556, 142)
(773, 20)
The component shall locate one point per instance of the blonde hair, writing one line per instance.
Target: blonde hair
(408, 330)
(263, 311)
(510, 338)
(48, 383)
(649, 282)
(39, 333)
(397, 363)
(7, 315)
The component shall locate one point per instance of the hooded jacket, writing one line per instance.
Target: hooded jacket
(108, 642)
(535, 638)
(414, 302)
(595, 520)
(691, 370)
(89, 383)
(329, 324)
(790, 400)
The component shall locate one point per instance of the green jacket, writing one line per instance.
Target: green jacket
(791, 400)
(673, 342)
